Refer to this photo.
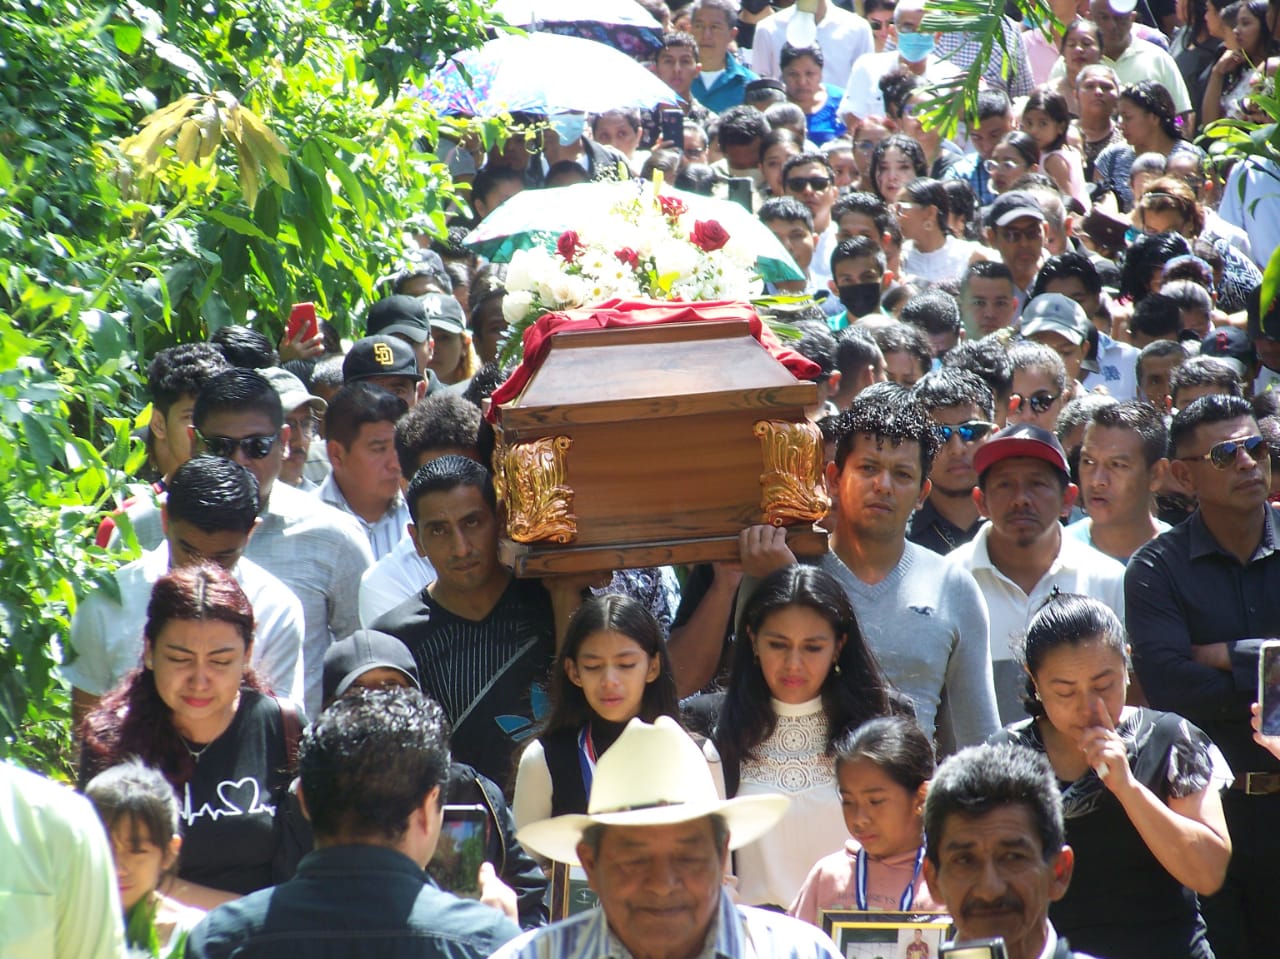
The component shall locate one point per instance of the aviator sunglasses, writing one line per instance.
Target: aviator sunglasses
(1223, 455)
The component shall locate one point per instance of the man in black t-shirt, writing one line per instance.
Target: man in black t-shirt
(484, 641)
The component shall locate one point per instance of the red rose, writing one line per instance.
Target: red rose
(672, 206)
(708, 235)
(628, 256)
(569, 245)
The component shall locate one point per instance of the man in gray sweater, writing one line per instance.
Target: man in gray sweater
(926, 620)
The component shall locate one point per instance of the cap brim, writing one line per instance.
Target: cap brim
(1014, 447)
(293, 401)
(363, 668)
(1019, 213)
(448, 326)
(748, 818)
(411, 330)
(1040, 325)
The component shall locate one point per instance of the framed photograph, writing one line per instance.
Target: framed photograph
(887, 935)
(570, 893)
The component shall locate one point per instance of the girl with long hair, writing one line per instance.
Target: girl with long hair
(613, 667)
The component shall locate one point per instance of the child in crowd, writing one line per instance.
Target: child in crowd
(613, 667)
(1046, 119)
(139, 809)
(883, 768)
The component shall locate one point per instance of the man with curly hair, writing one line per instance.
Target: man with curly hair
(926, 621)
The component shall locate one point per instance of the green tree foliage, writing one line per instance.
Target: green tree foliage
(168, 168)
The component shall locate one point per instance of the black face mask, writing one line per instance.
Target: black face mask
(860, 298)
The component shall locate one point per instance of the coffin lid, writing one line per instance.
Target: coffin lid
(649, 371)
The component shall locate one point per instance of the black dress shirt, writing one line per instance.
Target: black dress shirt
(1183, 589)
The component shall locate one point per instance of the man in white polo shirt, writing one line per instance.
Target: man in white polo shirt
(1021, 556)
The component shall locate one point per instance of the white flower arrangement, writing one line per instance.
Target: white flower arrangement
(648, 247)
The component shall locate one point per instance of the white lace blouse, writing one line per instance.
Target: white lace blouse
(772, 869)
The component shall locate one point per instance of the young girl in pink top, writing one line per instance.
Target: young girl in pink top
(1046, 118)
(883, 769)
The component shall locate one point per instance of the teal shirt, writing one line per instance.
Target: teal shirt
(728, 90)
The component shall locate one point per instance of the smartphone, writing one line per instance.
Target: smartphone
(974, 949)
(464, 839)
(673, 128)
(302, 318)
(1269, 687)
(740, 191)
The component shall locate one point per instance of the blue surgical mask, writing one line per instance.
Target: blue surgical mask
(914, 47)
(569, 126)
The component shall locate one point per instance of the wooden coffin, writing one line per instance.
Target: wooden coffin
(647, 445)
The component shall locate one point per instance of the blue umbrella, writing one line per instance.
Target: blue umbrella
(545, 74)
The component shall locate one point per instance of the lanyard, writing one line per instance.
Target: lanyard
(860, 877)
(587, 757)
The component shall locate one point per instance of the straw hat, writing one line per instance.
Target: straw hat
(653, 775)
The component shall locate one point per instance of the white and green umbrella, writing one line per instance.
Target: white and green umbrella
(538, 217)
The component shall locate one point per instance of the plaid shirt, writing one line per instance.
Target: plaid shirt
(739, 932)
(961, 50)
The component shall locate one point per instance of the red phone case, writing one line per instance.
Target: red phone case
(302, 315)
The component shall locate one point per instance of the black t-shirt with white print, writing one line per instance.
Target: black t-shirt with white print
(229, 836)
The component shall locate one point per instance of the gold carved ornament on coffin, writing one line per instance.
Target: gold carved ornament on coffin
(792, 487)
(530, 481)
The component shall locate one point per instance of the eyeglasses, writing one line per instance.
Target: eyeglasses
(1039, 401)
(991, 166)
(865, 146)
(903, 206)
(796, 184)
(968, 432)
(254, 447)
(1223, 455)
(305, 427)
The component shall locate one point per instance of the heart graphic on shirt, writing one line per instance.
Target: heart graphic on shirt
(232, 795)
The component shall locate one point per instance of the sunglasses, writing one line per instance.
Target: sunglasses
(254, 447)
(968, 432)
(878, 25)
(1039, 401)
(1223, 455)
(796, 184)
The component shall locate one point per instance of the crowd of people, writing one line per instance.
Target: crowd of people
(1016, 690)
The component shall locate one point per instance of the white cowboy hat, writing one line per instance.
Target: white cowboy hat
(653, 776)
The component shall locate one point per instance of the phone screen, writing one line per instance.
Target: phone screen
(740, 191)
(673, 128)
(1269, 687)
(460, 852)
